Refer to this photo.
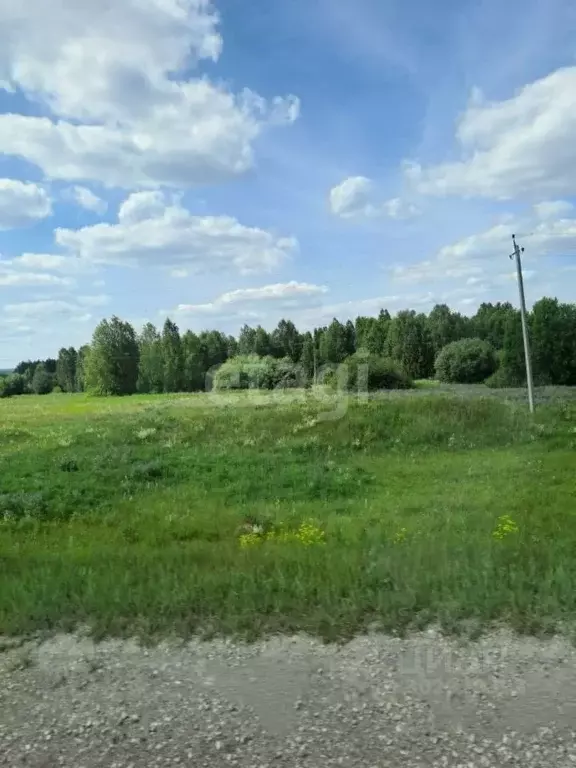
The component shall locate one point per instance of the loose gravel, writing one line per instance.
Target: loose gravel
(290, 703)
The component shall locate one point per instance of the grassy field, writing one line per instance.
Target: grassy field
(124, 514)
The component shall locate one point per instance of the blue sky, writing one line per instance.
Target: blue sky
(235, 162)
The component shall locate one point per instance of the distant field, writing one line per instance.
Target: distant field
(124, 514)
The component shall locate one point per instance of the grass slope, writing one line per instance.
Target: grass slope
(123, 514)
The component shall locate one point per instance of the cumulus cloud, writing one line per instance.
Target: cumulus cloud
(355, 197)
(425, 271)
(153, 231)
(371, 306)
(49, 261)
(278, 296)
(553, 209)
(52, 308)
(11, 277)
(481, 259)
(351, 197)
(22, 204)
(39, 268)
(308, 304)
(547, 238)
(397, 208)
(521, 146)
(85, 198)
(140, 206)
(13, 327)
(127, 111)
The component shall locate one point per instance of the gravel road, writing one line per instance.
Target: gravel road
(288, 702)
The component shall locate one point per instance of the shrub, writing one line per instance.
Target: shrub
(69, 465)
(504, 379)
(14, 384)
(244, 372)
(289, 375)
(467, 361)
(147, 470)
(254, 372)
(16, 506)
(369, 373)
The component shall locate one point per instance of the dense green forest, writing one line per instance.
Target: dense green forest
(444, 344)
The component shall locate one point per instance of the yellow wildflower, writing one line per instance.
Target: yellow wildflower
(308, 534)
(506, 526)
(401, 535)
(248, 540)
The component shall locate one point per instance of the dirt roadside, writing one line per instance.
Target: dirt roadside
(290, 702)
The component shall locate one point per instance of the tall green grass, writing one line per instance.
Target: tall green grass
(124, 515)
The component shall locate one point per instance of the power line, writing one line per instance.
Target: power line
(518, 256)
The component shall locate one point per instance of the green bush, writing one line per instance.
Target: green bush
(369, 373)
(503, 378)
(289, 375)
(14, 384)
(467, 361)
(147, 470)
(245, 372)
(69, 465)
(254, 372)
(17, 506)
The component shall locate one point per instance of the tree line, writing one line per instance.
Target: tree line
(120, 361)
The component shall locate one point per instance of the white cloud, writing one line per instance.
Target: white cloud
(553, 209)
(140, 206)
(22, 204)
(10, 277)
(349, 310)
(520, 147)
(128, 112)
(279, 296)
(33, 269)
(36, 309)
(355, 198)
(51, 308)
(85, 198)
(351, 197)
(14, 326)
(42, 264)
(152, 231)
(397, 208)
(49, 261)
(494, 242)
(424, 271)
(481, 258)
(546, 238)
(307, 305)
(97, 300)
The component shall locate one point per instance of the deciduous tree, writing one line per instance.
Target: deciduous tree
(111, 366)
(172, 357)
(151, 368)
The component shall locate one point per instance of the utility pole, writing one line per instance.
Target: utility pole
(315, 357)
(517, 255)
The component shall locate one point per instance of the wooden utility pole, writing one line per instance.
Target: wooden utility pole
(518, 256)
